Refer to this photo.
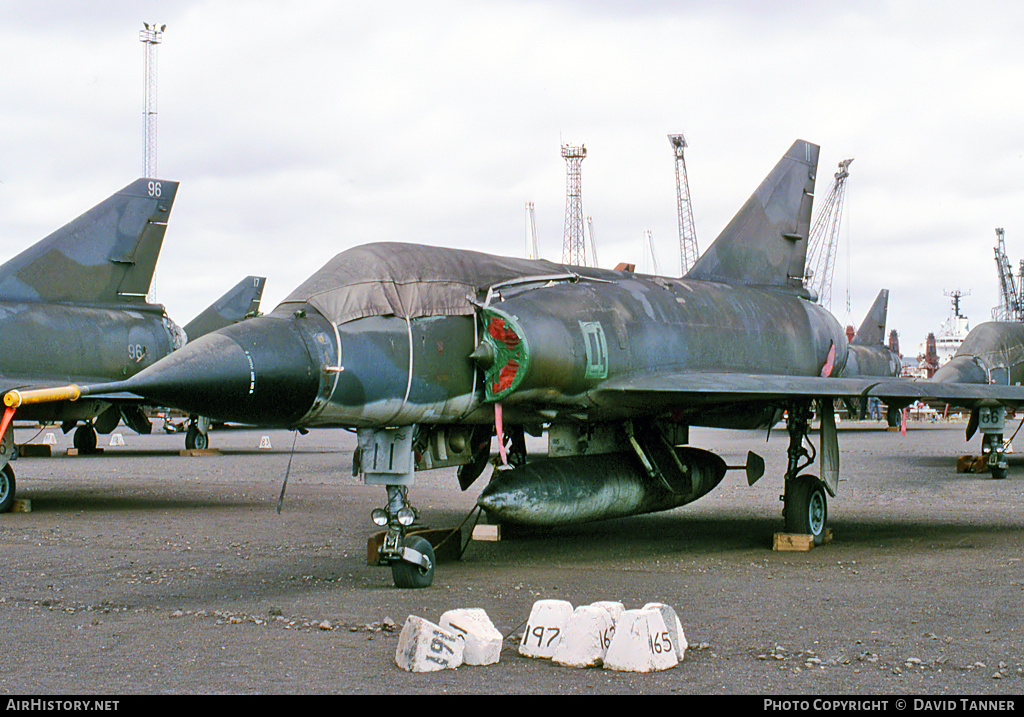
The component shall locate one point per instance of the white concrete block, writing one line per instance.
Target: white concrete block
(545, 628)
(117, 440)
(426, 647)
(586, 638)
(675, 628)
(265, 443)
(614, 608)
(49, 440)
(482, 640)
(642, 643)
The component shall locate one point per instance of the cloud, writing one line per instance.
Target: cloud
(298, 131)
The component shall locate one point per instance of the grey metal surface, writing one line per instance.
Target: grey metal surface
(240, 302)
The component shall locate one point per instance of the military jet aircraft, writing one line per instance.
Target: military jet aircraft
(426, 351)
(868, 354)
(240, 302)
(992, 353)
(73, 307)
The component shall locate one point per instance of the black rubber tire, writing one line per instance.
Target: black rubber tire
(806, 507)
(85, 438)
(999, 472)
(409, 576)
(195, 439)
(7, 488)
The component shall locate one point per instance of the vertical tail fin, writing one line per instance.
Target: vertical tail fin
(238, 303)
(107, 255)
(872, 329)
(765, 244)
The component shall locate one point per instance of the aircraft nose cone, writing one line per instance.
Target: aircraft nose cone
(258, 371)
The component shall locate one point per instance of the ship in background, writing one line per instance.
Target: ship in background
(940, 347)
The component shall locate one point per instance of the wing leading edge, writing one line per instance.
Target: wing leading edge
(663, 389)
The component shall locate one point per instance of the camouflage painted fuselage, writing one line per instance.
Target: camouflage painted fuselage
(993, 352)
(573, 338)
(73, 343)
(295, 367)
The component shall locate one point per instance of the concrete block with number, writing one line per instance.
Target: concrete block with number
(586, 637)
(614, 608)
(545, 627)
(642, 643)
(675, 628)
(426, 647)
(482, 640)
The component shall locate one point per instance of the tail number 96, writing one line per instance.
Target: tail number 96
(136, 352)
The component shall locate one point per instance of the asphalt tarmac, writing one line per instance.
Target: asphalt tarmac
(143, 572)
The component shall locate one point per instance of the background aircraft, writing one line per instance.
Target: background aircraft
(241, 302)
(73, 307)
(992, 353)
(869, 356)
(425, 351)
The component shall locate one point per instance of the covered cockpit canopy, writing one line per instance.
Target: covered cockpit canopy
(409, 280)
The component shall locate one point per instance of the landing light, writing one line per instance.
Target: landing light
(406, 516)
(379, 516)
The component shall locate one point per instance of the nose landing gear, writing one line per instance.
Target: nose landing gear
(411, 557)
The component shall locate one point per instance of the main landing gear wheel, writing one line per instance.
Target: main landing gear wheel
(7, 488)
(85, 438)
(407, 575)
(806, 507)
(196, 439)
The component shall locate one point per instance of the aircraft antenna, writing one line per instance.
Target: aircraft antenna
(824, 238)
(593, 241)
(1011, 303)
(531, 237)
(150, 37)
(688, 251)
(574, 250)
(649, 246)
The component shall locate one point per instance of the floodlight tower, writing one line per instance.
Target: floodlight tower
(574, 249)
(150, 37)
(688, 251)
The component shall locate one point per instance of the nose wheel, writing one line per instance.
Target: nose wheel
(196, 435)
(417, 569)
(411, 557)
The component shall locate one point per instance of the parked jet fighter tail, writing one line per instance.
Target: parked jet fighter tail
(240, 302)
(105, 256)
(765, 244)
(73, 307)
(872, 329)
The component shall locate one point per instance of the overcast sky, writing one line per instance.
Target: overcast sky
(299, 129)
